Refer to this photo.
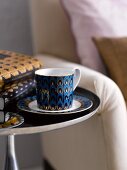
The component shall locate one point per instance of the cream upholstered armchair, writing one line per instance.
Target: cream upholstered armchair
(99, 143)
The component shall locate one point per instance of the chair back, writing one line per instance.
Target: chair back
(50, 29)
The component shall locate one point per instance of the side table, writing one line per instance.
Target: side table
(39, 123)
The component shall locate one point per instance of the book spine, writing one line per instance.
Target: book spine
(2, 117)
(13, 93)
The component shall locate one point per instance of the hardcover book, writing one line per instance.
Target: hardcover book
(15, 66)
(2, 117)
(15, 91)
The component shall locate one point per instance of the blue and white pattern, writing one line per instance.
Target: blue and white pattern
(54, 93)
(84, 104)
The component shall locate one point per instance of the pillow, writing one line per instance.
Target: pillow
(114, 54)
(90, 18)
(15, 66)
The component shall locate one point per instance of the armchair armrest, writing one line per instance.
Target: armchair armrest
(112, 114)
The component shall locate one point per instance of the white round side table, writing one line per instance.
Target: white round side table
(39, 123)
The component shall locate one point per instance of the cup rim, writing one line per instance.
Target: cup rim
(57, 73)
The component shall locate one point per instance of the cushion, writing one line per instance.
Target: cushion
(15, 66)
(114, 54)
(89, 18)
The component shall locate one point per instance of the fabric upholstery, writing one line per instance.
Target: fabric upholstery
(114, 53)
(98, 143)
(89, 18)
(51, 31)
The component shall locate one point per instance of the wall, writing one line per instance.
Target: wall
(15, 35)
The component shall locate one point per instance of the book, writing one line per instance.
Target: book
(2, 117)
(15, 66)
(14, 91)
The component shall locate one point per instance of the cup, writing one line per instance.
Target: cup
(55, 87)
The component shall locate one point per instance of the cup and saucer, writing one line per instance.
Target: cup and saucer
(55, 93)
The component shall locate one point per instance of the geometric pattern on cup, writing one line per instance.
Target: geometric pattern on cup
(54, 93)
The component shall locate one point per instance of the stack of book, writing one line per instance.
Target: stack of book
(16, 78)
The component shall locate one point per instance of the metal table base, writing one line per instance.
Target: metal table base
(11, 161)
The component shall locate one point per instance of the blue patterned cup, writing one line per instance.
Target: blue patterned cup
(55, 87)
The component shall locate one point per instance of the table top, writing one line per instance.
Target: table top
(38, 123)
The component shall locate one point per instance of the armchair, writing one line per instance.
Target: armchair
(100, 142)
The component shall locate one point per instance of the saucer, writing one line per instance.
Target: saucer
(12, 120)
(80, 103)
